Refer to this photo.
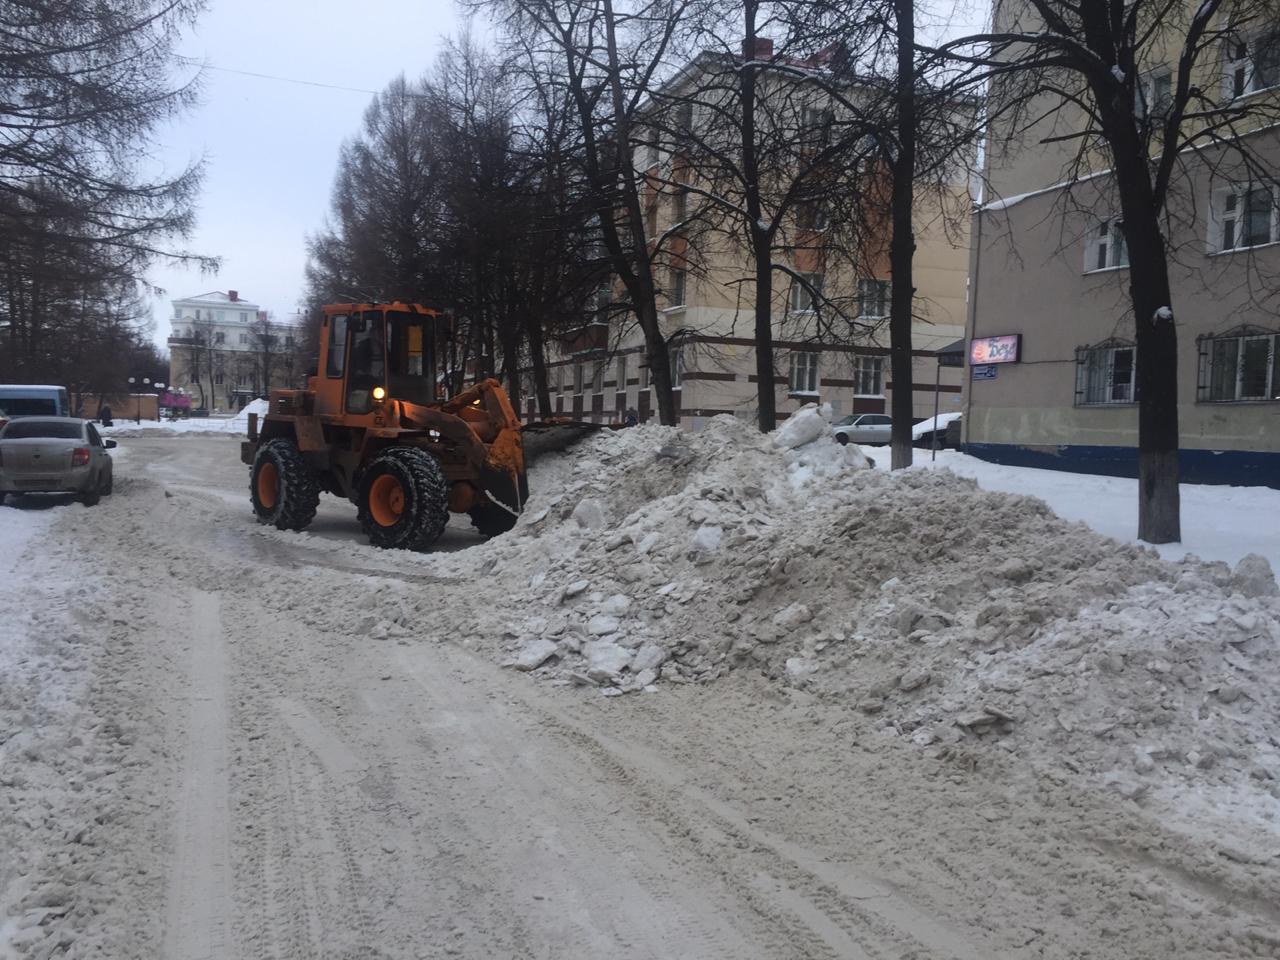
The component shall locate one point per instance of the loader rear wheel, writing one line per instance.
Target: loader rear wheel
(284, 489)
(404, 499)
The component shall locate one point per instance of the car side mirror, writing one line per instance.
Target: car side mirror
(110, 444)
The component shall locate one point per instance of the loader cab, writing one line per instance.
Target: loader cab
(373, 352)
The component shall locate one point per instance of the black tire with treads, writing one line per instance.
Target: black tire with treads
(426, 499)
(297, 487)
(491, 520)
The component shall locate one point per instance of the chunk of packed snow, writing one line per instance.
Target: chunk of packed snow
(804, 426)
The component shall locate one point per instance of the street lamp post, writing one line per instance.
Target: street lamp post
(159, 389)
(132, 381)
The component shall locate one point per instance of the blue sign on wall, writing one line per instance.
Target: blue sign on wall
(984, 371)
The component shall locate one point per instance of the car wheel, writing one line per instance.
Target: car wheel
(2, 496)
(842, 439)
(283, 487)
(91, 497)
(403, 499)
(106, 487)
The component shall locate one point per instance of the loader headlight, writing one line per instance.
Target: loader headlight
(379, 394)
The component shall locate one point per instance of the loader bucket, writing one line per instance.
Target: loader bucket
(551, 436)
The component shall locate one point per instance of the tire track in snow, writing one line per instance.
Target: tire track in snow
(200, 906)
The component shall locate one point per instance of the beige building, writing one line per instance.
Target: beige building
(1049, 263)
(225, 351)
(708, 317)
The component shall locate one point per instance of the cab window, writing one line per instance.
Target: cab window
(368, 362)
(336, 363)
(410, 364)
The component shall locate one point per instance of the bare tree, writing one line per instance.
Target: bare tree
(1075, 76)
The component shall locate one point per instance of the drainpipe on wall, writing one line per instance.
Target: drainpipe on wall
(973, 328)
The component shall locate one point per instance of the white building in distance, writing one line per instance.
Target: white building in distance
(225, 350)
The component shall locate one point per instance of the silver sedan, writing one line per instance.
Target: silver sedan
(54, 455)
(863, 428)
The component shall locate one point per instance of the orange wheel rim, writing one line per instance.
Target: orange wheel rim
(386, 500)
(268, 485)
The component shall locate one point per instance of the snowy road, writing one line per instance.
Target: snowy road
(200, 758)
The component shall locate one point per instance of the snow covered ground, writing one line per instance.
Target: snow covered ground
(237, 424)
(716, 696)
(1218, 523)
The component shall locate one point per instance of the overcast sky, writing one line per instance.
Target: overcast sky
(271, 147)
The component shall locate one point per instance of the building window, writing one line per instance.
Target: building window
(676, 355)
(219, 337)
(244, 338)
(577, 378)
(1107, 247)
(811, 215)
(1104, 374)
(815, 124)
(680, 205)
(1243, 216)
(1154, 94)
(244, 316)
(218, 379)
(288, 340)
(1253, 63)
(873, 299)
(644, 375)
(597, 376)
(649, 154)
(622, 373)
(1240, 368)
(868, 376)
(806, 290)
(804, 371)
(678, 278)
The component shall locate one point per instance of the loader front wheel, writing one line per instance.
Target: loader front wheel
(404, 499)
(284, 489)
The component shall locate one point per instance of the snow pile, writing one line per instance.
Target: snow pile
(240, 422)
(949, 614)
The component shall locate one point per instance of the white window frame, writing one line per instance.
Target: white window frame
(1100, 388)
(676, 355)
(679, 287)
(1227, 212)
(802, 300)
(1148, 103)
(1241, 76)
(869, 294)
(803, 379)
(1272, 388)
(1106, 248)
(244, 339)
(868, 376)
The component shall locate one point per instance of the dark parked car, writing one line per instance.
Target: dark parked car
(54, 455)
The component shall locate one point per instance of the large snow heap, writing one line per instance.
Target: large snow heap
(944, 612)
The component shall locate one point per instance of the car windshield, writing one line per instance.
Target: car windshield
(52, 429)
(847, 421)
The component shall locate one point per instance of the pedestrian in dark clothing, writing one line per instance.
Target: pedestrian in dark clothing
(631, 418)
(104, 415)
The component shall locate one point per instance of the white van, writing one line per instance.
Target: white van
(33, 400)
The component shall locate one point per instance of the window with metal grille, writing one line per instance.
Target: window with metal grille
(1242, 367)
(1104, 374)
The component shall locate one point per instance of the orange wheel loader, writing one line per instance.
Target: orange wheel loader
(373, 426)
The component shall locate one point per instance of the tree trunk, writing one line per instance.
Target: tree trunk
(538, 356)
(902, 246)
(639, 280)
(761, 238)
(1159, 506)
